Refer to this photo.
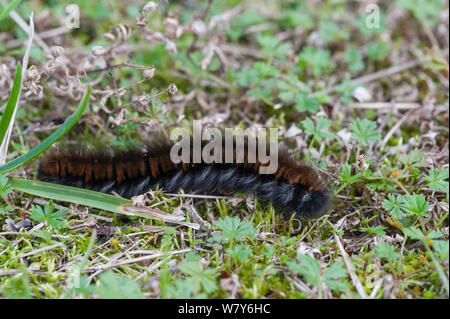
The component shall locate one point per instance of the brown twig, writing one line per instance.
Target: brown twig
(351, 270)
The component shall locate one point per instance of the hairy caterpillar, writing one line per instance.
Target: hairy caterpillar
(293, 187)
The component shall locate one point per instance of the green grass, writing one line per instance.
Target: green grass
(294, 66)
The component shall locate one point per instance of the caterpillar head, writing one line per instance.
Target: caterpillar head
(313, 202)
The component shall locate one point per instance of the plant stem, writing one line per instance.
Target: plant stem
(83, 262)
(442, 276)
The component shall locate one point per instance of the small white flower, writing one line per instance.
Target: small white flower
(149, 73)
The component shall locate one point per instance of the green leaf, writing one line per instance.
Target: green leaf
(10, 7)
(234, 230)
(112, 286)
(319, 130)
(426, 11)
(266, 70)
(377, 51)
(387, 251)
(334, 272)
(441, 249)
(301, 16)
(413, 158)
(47, 214)
(281, 51)
(268, 250)
(21, 160)
(259, 93)
(6, 210)
(248, 18)
(239, 252)
(5, 187)
(167, 239)
(12, 102)
(377, 230)
(303, 103)
(337, 285)
(309, 268)
(416, 204)
(286, 96)
(45, 235)
(437, 179)
(318, 60)
(267, 42)
(346, 89)
(330, 31)
(84, 287)
(365, 131)
(413, 233)
(308, 126)
(434, 234)
(204, 278)
(285, 241)
(395, 205)
(346, 175)
(18, 286)
(354, 58)
(247, 76)
(184, 289)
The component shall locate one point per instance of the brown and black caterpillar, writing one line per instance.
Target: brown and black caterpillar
(294, 187)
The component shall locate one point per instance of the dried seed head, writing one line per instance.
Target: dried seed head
(171, 26)
(98, 51)
(50, 67)
(109, 36)
(121, 32)
(157, 36)
(149, 73)
(172, 89)
(33, 74)
(56, 51)
(171, 48)
(198, 27)
(144, 99)
(150, 6)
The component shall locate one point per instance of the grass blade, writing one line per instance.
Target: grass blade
(94, 199)
(12, 102)
(10, 7)
(70, 194)
(49, 140)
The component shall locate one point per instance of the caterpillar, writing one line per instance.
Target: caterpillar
(294, 187)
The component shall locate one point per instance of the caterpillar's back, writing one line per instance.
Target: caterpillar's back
(293, 187)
